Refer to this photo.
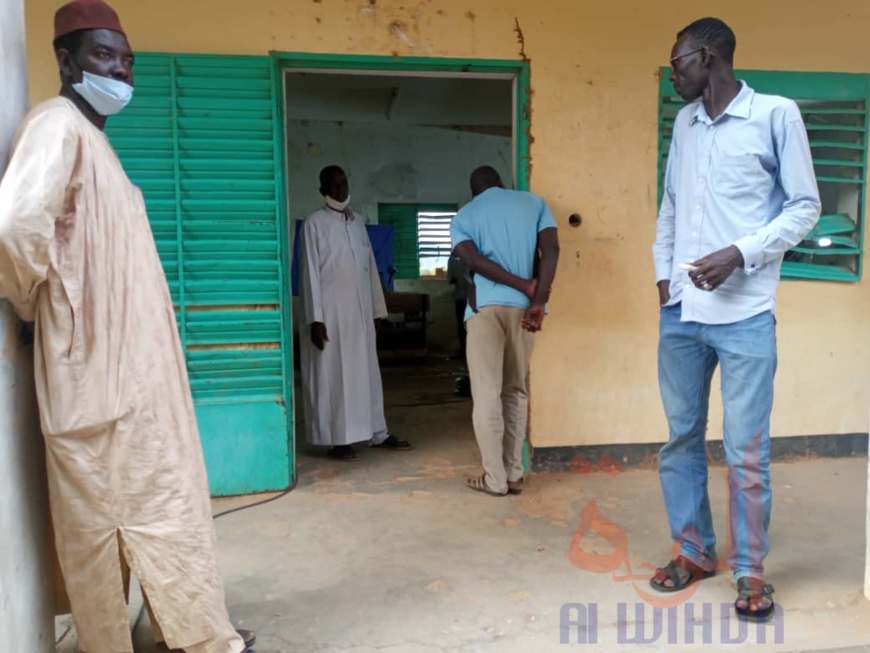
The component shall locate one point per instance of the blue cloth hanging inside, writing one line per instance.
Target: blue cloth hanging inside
(381, 237)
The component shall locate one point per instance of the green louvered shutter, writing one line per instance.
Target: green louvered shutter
(834, 107)
(200, 139)
(403, 219)
(143, 136)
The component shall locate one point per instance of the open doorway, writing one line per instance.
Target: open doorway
(408, 145)
(408, 133)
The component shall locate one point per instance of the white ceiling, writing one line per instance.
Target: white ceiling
(453, 102)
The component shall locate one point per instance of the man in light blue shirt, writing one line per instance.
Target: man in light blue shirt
(739, 192)
(509, 240)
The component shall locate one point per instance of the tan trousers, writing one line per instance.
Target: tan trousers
(498, 355)
(229, 642)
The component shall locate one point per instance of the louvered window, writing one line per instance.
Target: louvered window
(199, 139)
(834, 107)
(433, 236)
(421, 237)
(433, 232)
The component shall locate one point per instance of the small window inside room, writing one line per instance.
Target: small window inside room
(421, 239)
(433, 239)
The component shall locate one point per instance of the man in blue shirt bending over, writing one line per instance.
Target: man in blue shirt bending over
(508, 239)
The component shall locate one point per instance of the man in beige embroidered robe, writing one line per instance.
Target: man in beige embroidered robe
(125, 464)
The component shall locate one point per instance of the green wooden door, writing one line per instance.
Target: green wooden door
(201, 140)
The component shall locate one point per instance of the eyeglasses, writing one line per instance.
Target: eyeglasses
(687, 54)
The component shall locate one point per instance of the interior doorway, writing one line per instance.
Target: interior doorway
(408, 132)
(408, 145)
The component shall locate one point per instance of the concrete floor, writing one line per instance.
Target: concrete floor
(393, 555)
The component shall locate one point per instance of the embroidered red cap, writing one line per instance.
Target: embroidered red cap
(85, 14)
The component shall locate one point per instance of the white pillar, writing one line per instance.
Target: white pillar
(26, 608)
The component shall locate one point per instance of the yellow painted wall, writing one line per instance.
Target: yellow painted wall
(594, 69)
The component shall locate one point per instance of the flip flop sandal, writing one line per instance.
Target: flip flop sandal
(515, 487)
(745, 592)
(345, 455)
(673, 572)
(392, 442)
(249, 637)
(478, 484)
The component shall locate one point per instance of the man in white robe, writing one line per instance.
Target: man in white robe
(77, 257)
(343, 303)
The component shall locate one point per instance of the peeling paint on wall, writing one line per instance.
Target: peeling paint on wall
(395, 180)
(527, 121)
(521, 39)
(397, 29)
(526, 109)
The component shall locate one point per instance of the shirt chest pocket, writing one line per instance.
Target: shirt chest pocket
(737, 175)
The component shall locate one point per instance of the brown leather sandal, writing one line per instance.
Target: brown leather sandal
(692, 574)
(516, 487)
(754, 591)
(478, 484)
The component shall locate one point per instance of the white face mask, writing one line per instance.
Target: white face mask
(106, 95)
(335, 205)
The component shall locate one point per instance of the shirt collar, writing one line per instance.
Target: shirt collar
(348, 214)
(740, 107)
(489, 191)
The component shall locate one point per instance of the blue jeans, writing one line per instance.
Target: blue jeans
(688, 355)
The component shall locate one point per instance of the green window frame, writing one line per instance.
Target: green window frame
(407, 249)
(834, 107)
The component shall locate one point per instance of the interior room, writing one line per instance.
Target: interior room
(408, 145)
